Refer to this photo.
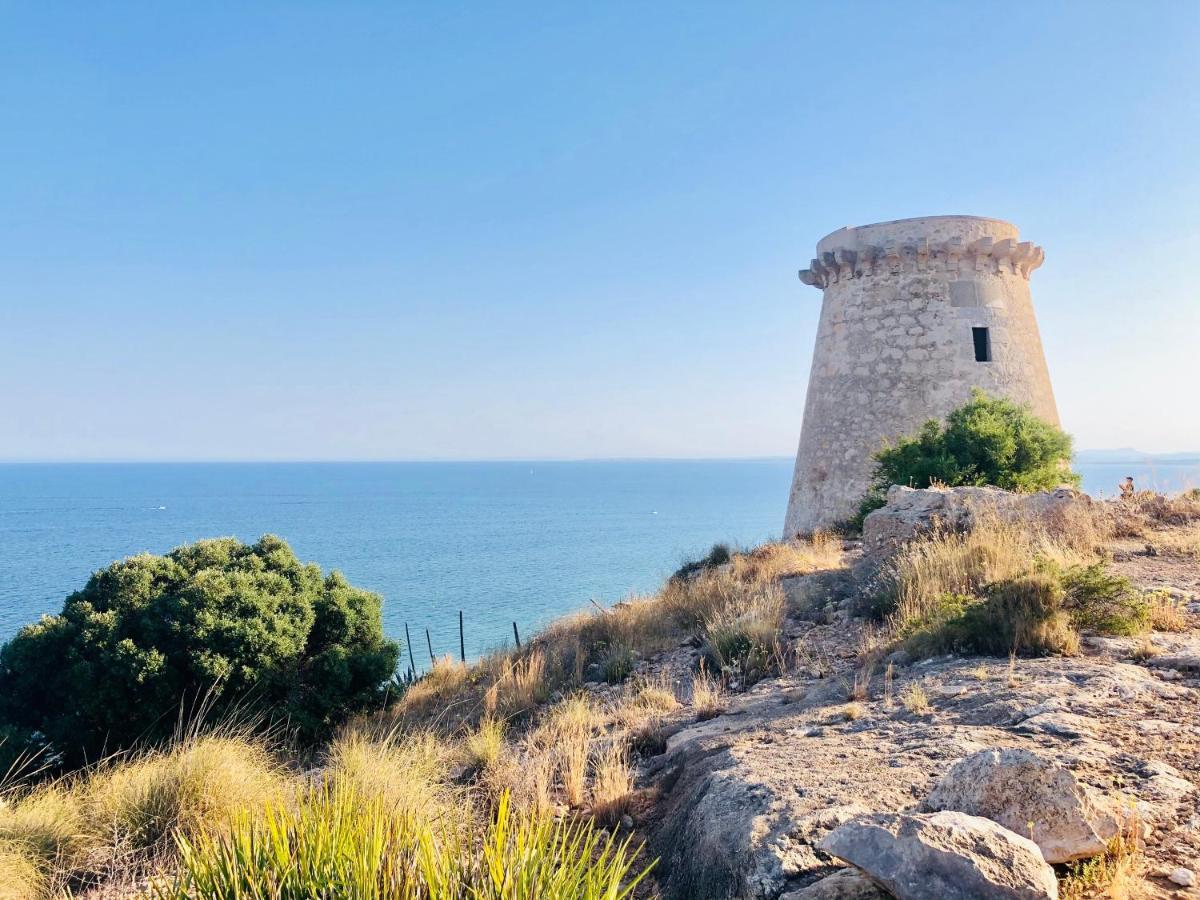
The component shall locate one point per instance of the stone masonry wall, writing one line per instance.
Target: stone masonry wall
(894, 345)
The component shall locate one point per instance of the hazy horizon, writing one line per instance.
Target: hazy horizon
(1135, 454)
(349, 232)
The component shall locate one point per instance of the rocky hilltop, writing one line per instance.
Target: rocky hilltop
(862, 771)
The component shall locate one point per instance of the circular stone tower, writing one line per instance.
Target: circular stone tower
(916, 313)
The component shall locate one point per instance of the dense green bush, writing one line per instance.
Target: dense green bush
(986, 441)
(217, 624)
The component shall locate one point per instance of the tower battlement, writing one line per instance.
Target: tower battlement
(915, 313)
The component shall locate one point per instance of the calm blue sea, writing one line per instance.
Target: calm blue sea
(500, 541)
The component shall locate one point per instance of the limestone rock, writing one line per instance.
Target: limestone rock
(912, 511)
(1181, 876)
(1063, 725)
(1016, 788)
(844, 884)
(948, 855)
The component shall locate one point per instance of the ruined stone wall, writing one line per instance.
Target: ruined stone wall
(895, 345)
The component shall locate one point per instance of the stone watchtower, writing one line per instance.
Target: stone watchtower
(916, 313)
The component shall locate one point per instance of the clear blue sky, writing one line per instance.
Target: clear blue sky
(375, 230)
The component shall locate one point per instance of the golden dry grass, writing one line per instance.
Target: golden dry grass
(406, 770)
(521, 686)
(483, 746)
(571, 759)
(707, 695)
(852, 712)
(574, 715)
(612, 784)
(771, 562)
(21, 878)
(1166, 613)
(1114, 874)
(1180, 541)
(429, 695)
(46, 824)
(141, 801)
(915, 698)
(121, 816)
(738, 607)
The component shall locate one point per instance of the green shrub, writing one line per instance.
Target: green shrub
(986, 441)
(339, 844)
(618, 663)
(1105, 603)
(218, 625)
(1019, 615)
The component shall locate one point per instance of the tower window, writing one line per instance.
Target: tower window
(983, 344)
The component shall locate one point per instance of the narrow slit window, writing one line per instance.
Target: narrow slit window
(983, 344)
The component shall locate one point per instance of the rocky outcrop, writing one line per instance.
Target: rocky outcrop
(743, 802)
(949, 855)
(1031, 795)
(910, 512)
(844, 884)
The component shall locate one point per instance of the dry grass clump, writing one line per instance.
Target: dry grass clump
(770, 562)
(21, 878)
(1115, 873)
(1160, 509)
(444, 682)
(1010, 587)
(707, 695)
(484, 745)
(852, 712)
(913, 582)
(122, 816)
(731, 598)
(141, 802)
(571, 758)
(1166, 613)
(521, 687)
(575, 715)
(1148, 512)
(1182, 541)
(46, 824)
(612, 784)
(406, 770)
(743, 636)
(646, 699)
(915, 698)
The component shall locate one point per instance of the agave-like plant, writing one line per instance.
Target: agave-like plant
(334, 843)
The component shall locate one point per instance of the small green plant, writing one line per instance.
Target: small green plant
(719, 555)
(618, 664)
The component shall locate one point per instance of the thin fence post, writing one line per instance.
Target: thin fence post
(429, 641)
(516, 636)
(412, 663)
(462, 643)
